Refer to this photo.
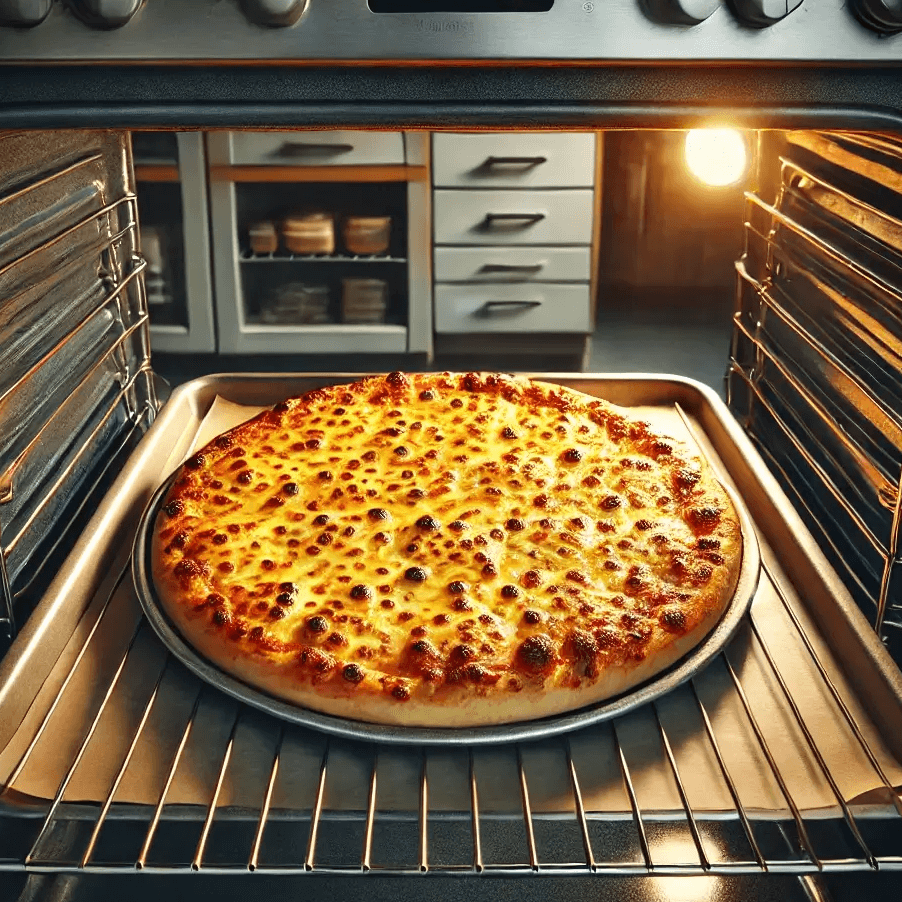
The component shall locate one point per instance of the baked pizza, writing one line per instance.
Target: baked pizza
(445, 550)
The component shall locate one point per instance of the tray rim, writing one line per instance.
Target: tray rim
(874, 680)
(695, 660)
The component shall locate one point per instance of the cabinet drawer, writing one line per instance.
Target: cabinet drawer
(512, 308)
(512, 264)
(329, 148)
(513, 217)
(547, 160)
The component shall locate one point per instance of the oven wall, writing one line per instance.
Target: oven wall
(817, 349)
(76, 390)
(664, 232)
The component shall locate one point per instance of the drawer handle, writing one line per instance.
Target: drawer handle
(309, 149)
(511, 220)
(522, 162)
(491, 308)
(508, 269)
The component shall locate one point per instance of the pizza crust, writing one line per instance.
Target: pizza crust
(594, 656)
(451, 709)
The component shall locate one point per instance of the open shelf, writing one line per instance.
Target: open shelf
(248, 256)
(156, 172)
(390, 179)
(320, 174)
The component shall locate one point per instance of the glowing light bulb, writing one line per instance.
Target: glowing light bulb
(684, 889)
(716, 156)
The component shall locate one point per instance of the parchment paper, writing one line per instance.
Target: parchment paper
(593, 750)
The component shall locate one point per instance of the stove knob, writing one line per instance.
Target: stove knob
(884, 16)
(274, 13)
(762, 13)
(106, 13)
(24, 13)
(679, 12)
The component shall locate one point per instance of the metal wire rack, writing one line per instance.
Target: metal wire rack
(105, 239)
(759, 275)
(280, 799)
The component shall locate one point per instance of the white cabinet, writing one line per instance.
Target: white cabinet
(533, 307)
(513, 264)
(171, 177)
(315, 148)
(493, 236)
(515, 236)
(513, 217)
(263, 298)
(514, 160)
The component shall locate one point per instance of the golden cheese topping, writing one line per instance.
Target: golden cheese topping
(418, 548)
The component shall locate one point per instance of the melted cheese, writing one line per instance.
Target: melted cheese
(422, 534)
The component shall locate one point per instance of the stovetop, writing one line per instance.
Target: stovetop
(255, 31)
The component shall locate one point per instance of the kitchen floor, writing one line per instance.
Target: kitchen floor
(684, 335)
(680, 335)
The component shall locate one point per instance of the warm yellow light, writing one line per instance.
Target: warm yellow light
(682, 889)
(716, 156)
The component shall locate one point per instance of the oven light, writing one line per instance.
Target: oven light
(681, 889)
(716, 156)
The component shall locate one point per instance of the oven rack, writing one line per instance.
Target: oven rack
(364, 809)
(95, 238)
(767, 356)
(797, 487)
(765, 256)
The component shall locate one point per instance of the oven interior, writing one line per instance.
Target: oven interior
(124, 257)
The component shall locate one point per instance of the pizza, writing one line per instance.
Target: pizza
(445, 550)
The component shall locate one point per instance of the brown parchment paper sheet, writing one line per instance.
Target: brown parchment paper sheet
(593, 750)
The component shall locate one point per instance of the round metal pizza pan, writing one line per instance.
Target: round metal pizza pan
(689, 665)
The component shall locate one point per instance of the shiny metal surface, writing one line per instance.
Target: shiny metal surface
(113, 757)
(679, 12)
(24, 13)
(818, 349)
(7, 615)
(883, 16)
(764, 13)
(106, 14)
(702, 655)
(75, 389)
(263, 888)
(598, 30)
(274, 13)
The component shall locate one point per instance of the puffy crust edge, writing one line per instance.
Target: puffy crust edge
(449, 709)
(450, 706)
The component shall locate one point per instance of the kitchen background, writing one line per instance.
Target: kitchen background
(369, 251)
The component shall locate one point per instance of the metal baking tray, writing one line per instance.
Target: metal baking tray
(782, 755)
(665, 682)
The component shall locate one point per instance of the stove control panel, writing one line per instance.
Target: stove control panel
(106, 13)
(754, 13)
(883, 16)
(680, 12)
(274, 13)
(24, 13)
(320, 31)
(764, 13)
